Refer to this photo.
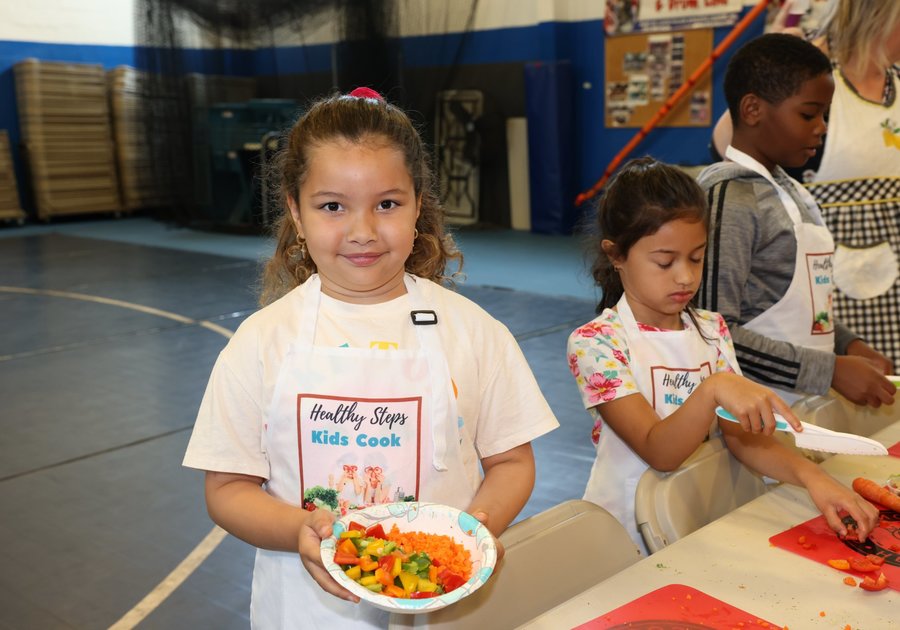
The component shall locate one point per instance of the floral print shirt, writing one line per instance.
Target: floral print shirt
(600, 362)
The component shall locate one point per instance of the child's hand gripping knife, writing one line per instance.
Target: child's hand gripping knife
(752, 404)
(316, 526)
(755, 405)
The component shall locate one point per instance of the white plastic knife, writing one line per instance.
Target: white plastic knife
(818, 439)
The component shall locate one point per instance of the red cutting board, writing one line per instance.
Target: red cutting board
(676, 607)
(821, 544)
(894, 450)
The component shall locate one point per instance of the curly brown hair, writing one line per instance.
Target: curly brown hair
(358, 120)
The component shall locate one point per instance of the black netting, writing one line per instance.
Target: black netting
(217, 77)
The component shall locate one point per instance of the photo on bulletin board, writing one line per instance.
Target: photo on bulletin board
(646, 16)
(644, 70)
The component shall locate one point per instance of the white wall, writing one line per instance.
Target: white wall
(105, 22)
(111, 22)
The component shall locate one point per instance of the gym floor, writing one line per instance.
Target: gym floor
(109, 331)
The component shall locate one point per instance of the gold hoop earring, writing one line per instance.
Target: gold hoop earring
(415, 233)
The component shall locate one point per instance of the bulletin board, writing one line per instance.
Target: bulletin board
(643, 70)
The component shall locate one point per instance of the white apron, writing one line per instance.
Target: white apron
(861, 139)
(860, 161)
(391, 414)
(667, 367)
(804, 314)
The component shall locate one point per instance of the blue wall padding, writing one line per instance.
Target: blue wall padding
(550, 110)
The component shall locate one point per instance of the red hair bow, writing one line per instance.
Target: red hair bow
(364, 92)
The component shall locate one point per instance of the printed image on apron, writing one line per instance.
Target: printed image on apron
(355, 452)
(671, 386)
(820, 267)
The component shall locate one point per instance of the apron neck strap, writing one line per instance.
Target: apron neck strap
(739, 157)
(626, 316)
(443, 427)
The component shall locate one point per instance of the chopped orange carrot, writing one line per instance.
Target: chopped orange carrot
(444, 549)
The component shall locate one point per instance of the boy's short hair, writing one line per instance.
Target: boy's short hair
(773, 67)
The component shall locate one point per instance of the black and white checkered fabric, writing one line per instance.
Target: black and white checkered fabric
(865, 213)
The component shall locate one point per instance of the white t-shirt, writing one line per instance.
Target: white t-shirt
(498, 399)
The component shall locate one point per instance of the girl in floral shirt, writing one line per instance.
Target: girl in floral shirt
(650, 340)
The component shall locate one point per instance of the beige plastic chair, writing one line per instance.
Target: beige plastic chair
(550, 558)
(836, 413)
(839, 414)
(709, 484)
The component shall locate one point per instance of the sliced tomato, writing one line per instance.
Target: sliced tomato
(353, 526)
(863, 565)
(876, 560)
(376, 531)
(869, 584)
(839, 563)
(849, 581)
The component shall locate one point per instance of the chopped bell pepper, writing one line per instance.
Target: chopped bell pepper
(450, 580)
(347, 546)
(376, 531)
(410, 581)
(383, 577)
(345, 558)
(367, 564)
(368, 580)
(426, 586)
(391, 564)
(394, 591)
(354, 573)
(351, 533)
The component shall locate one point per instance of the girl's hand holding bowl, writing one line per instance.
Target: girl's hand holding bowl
(411, 595)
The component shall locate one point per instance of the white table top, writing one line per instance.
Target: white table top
(732, 560)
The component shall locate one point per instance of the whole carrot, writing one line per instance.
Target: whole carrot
(870, 490)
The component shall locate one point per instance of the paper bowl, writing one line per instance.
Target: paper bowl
(430, 518)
